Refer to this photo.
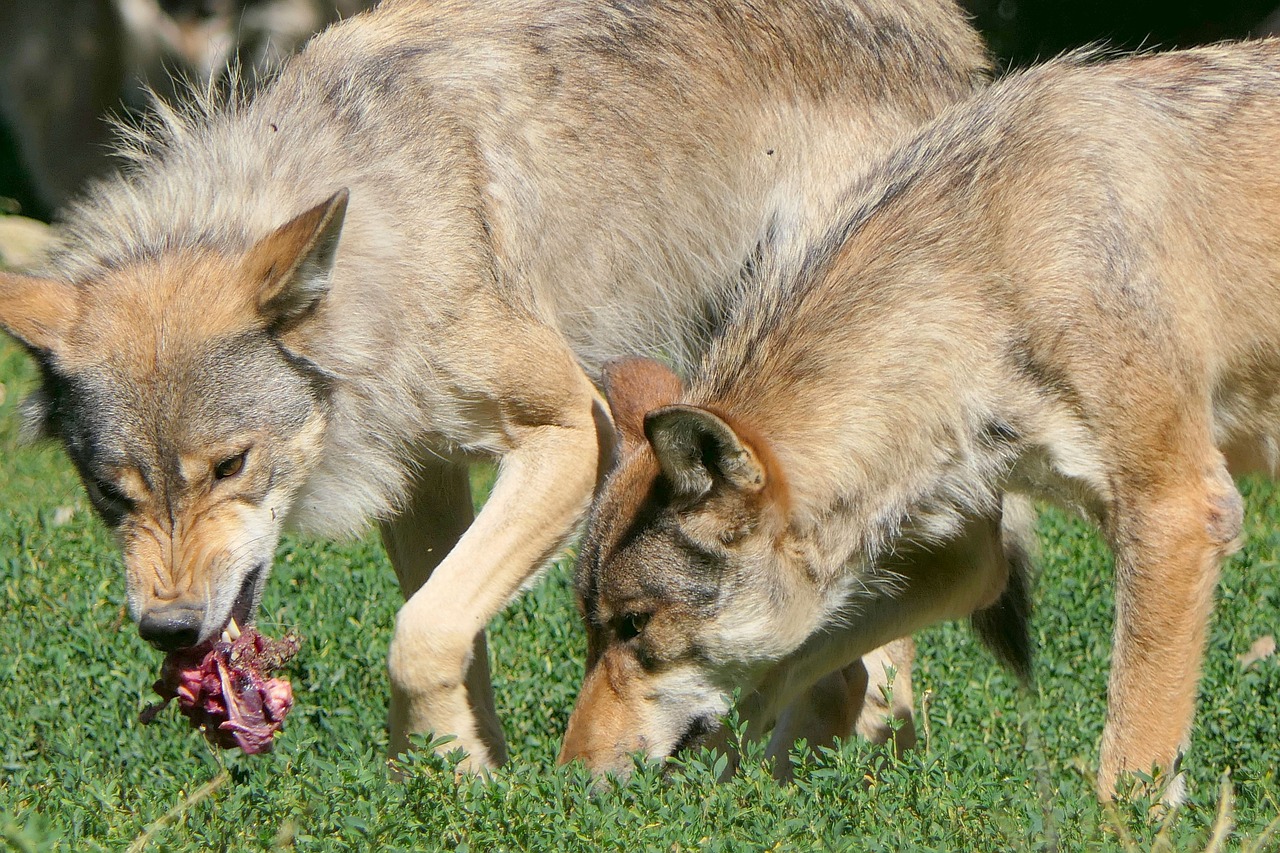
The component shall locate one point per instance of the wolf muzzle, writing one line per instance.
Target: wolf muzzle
(171, 627)
(178, 624)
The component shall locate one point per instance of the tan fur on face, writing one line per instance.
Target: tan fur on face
(600, 737)
(193, 537)
(194, 541)
(180, 560)
(137, 317)
(639, 693)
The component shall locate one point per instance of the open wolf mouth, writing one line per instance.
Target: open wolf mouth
(244, 607)
(223, 686)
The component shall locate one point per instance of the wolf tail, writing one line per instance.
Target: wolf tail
(1004, 627)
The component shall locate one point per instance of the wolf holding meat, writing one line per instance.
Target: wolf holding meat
(312, 306)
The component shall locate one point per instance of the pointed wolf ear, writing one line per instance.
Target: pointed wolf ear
(293, 263)
(36, 311)
(696, 447)
(634, 387)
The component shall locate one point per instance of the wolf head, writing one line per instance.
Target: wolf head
(684, 578)
(173, 383)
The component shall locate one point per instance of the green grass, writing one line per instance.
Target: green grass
(1002, 769)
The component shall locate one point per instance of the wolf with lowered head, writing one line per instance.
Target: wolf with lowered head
(1067, 287)
(314, 306)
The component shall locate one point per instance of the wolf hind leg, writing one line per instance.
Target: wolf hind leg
(887, 712)
(871, 696)
(1170, 530)
(439, 512)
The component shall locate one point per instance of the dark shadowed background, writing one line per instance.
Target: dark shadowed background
(1022, 31)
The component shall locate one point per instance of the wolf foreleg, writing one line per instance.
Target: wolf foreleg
(438, 513)
(863, 697)
(437, 653)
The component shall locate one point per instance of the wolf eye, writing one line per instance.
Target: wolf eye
(111, 494)
(630, 625)
(230, 466)
(110, 502)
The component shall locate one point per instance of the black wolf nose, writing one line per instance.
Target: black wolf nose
(171, 628)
